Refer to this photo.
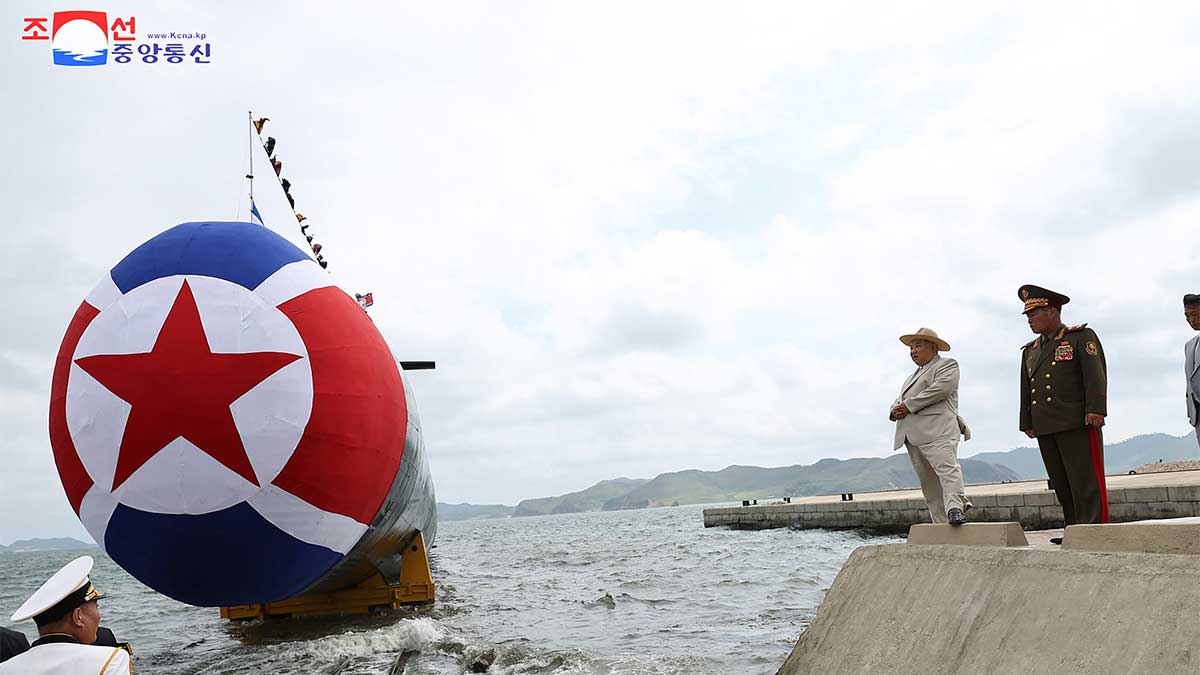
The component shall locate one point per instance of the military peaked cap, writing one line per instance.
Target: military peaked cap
(1035, 297)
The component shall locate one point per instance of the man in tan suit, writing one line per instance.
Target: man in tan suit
(927, 423)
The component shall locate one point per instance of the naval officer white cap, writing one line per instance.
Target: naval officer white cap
(70, 587)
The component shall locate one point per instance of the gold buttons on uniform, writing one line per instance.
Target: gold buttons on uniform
(1047, 376)
(1052, 364)
(1047, 399)
(1047, 387)
(1034, 402)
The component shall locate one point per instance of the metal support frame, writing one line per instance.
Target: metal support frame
(415, 587)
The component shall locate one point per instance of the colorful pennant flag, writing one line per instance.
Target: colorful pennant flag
(277, 165)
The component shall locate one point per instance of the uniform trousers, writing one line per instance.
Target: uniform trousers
(936, 464)
(1075, 465)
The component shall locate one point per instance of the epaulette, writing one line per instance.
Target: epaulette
(1074, 329)
(1029, 344)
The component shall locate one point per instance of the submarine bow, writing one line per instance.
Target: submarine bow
(231, 427)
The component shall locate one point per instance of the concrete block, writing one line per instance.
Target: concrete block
(1184, 493)
(1046, 498)
(1052, 516)
(913, 504)
(1010, 500)
(982, 500)
(1117, 497)
(1029, 515)
(875, 516)
(1169, 509)
(971, 534)
(993, 514)
(1127, 511)
(1146, 494)
(1179, 536)
(981, 609)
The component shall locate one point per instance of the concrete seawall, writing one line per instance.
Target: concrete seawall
(933, 609)
(1131, 497)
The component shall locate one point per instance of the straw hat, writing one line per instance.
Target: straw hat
(926, 334)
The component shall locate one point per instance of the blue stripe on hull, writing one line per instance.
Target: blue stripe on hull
(242, 253)
(229, 557)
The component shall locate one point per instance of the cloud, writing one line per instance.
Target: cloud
(644, 238)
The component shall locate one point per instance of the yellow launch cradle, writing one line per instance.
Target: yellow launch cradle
(415, 587)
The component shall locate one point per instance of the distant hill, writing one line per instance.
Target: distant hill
(591, 499)
(1118, 457)
(54, 544)
(828, 476)
(473, 511)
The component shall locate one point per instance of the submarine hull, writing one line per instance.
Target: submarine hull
(410, 507)
(231, 427)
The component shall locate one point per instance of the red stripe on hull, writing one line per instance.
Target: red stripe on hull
(350, 451)
(1098, 467)
(74, 476)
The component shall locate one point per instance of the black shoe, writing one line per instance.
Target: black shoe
(1056, 540)
(956, 517)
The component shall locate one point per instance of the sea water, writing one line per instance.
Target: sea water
(648, 592)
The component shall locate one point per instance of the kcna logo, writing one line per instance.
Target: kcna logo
(84, 38)
(217, 393)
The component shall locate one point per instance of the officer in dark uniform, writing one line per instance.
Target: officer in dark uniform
(12, 643)
(1064, 386)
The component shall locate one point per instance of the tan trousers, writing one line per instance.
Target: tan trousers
(936, 464)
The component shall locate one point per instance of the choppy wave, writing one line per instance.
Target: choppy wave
(624, 593)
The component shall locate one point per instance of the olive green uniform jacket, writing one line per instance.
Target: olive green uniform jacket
(1062, 380)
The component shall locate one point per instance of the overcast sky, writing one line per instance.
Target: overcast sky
(638, 237)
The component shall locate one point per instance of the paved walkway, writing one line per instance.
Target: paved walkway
(1031, 503)
(1114, 482)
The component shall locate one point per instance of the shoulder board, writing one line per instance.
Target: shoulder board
(1029, 344)
(1075, 329)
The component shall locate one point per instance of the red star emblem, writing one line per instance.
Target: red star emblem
(181, 388)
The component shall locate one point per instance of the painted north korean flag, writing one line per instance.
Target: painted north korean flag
(226, 421)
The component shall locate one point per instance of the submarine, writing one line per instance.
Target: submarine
(234, 431)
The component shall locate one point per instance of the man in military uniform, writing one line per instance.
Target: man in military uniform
(67, 615)
(1191, 360)
(11, 643)
(1064, 387)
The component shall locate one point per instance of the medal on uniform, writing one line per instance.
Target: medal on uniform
(1064, 352)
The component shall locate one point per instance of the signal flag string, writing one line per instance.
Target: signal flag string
(364, 300)
(269, 147)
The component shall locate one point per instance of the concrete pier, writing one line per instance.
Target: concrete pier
(1130, 497)
(943, 609)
